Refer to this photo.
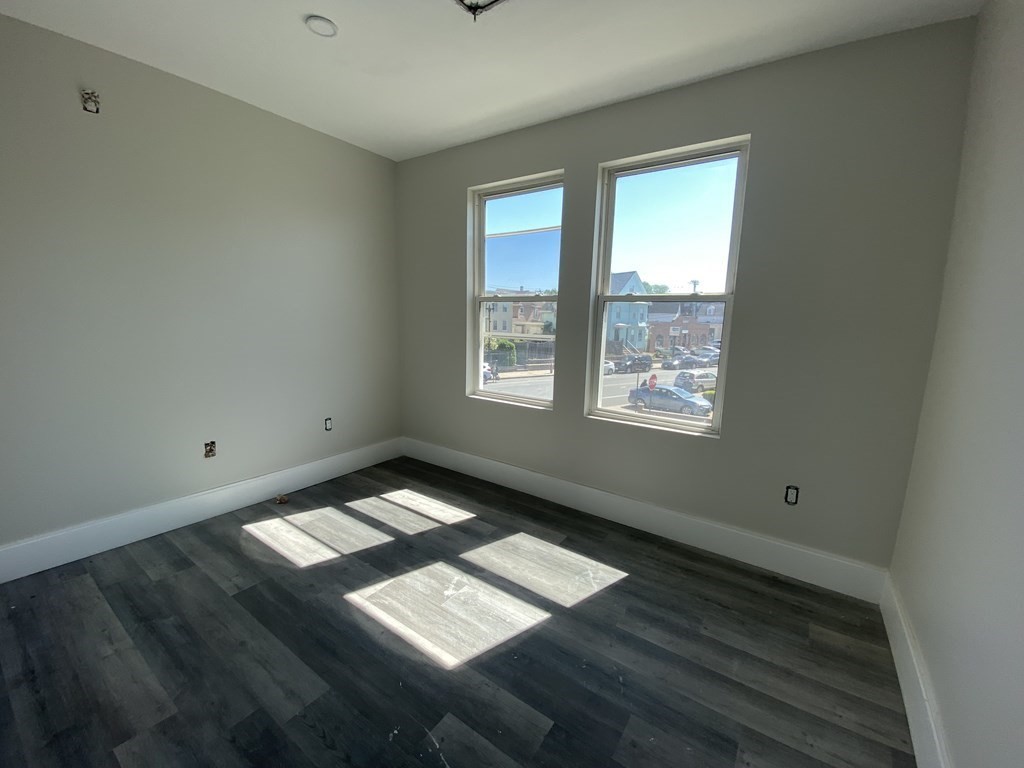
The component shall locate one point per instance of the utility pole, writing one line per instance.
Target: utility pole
(487, 332)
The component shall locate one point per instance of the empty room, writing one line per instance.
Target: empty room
(513, 383)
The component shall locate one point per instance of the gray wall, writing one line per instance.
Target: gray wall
(958, 565)
(852, 173)
(181, 268)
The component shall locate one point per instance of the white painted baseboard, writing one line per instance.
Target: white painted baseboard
(22, 558)
(843, 575)
(918, 695)
(850, 577)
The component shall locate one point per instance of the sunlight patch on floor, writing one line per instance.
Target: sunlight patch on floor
(438, 510)
(290, 542)
(342, 533)
(316, 536)
(397, 517)
(556, 573)
(449, 615)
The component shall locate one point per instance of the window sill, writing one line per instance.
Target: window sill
(537, 405)
(661, 424)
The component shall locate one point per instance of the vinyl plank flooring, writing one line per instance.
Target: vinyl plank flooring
(490, 709)
(158, 557)
(346, 658)
(202, 688)
(120, 685)
(223, 645)
(560, 694)
(262, 743)
(112, 566)
(646, 746)
(459, 744)
(834, 643)
(870, 720)
(758, 751)
(334, 731)
(765, 714)
(227, 568)
(53, 706)
(181, 741)
(278, 679)
(10, 740)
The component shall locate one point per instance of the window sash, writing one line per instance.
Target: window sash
(652, 418)
(478, 197)
(610, 172)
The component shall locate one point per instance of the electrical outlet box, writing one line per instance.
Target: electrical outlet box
(792, 495)
(210, 449)
(328, 424)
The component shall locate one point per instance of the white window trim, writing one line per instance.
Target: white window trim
(738, 146)
(477, 197)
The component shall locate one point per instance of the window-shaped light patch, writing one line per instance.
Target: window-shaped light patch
(550, 571)
(438, 510)
(449, 615)
(317, 536)
(399, 518)
(340, 532)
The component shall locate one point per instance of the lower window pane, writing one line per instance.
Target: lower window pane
(518, 354)
(675, 343)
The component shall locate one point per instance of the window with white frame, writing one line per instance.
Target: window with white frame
(516, 249)
(670, 227)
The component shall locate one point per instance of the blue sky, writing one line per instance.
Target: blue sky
(528, 259)
(675, 225)
(671, 226)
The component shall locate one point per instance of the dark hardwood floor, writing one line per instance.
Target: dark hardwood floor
(205, 646)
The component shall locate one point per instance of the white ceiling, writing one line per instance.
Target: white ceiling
(408, 77)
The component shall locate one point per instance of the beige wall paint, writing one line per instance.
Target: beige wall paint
(958, 564)
(182, 267)
(853, 166)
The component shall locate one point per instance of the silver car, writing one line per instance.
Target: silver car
(697, 380)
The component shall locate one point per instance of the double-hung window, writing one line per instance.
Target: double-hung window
(669, 237)
(515, 253)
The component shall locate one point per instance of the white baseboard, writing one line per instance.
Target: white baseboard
(840, 574)
(823, 569)
(918, 695)
(28, 556)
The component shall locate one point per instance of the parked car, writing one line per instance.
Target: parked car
(671, 399)
(609, 367)
(631, 363)
(696, 380)
(683, 361)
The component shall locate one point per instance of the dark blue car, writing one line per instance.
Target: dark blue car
(683, 361)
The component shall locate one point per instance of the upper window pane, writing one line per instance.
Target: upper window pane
(522, 242)
(672, 228)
